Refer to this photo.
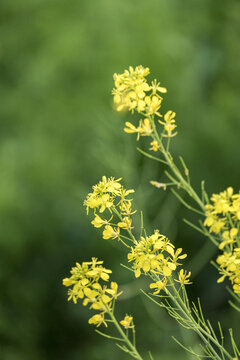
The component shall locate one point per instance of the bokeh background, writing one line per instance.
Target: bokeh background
(59, 134)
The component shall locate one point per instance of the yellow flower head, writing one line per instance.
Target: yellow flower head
(130, 88)
(98, 221)
(145, 127)
(131, 129)
(125, 223)
(132, 92)
(158, 286)
(127, 322)
(155, 254)
(183, 277)
(110, 233)
(169, 124)
(97, 319)
(228, 238)
(153, 103)
(230, 267)
(110, 195)
(154, 145)
(85, 282)
(223, 217)
(103, 195)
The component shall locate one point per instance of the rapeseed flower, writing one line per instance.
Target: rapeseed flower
(131, 129)
(125, 223)
(154, 145)
(97, 319)
(183, 277)
(98, 221)
(155, 255)
(169, 124)
(133, 93)
(130, 88)
(110, 195)
(222, 217)
(158, 286)
(127, 322)
(110, 233)
(85, 282)
(230, 267)
(229, 238)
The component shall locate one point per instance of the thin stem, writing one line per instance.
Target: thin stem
(168, 158)
(200, 331)
(204, 232)
(109, 336)
(133, 351)
(185, 203)
(128, 230)
(123, 242)
(151, 156)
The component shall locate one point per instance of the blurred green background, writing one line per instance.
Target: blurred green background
(60, 134)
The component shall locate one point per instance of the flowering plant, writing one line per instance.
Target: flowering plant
(221, 214)
(154, 256)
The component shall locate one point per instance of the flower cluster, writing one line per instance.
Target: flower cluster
(169, 123)
(85, 281)
(144, 128)
(110, 195)
(134, 93)
(223, 218)
(223, 215)
(155, 254)
(127, 322)
(230, 267)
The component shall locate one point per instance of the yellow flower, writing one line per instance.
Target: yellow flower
(158, 285)
(153, 104)
(183, 277)
(154, 145)
(85, 279)
(236, 288)
(126, 208)
(155, 254)
(156, 87)
(125, 223)
(228, 237)
(113, 291)
(97, 319)
(222, 217)
(217, 226)
(130, 89)
(110, 232)
(107, 194)
(92, 202)
(127, 322)
(230, 267)
(98, 222)
(99, 272)
(178, 255)
(131, 129)
(169, 123)
(145, 127)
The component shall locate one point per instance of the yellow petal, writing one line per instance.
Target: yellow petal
(167, 271)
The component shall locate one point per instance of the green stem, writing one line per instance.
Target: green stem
(151, 156)
(185, 203)
(206, 336)
(133, 351)
(168, 158)
(128, 230)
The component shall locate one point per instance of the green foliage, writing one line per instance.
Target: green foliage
(59, 134)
